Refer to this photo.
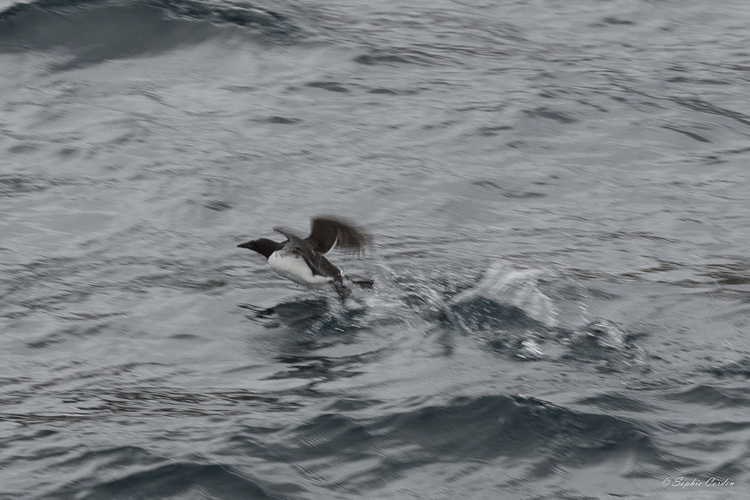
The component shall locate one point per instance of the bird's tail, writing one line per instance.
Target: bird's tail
(360, 281)
(363, 282)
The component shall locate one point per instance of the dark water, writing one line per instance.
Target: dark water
(558, 192)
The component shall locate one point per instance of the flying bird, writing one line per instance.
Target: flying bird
(303, 260)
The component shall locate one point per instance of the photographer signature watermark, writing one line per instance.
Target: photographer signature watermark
(694, 482)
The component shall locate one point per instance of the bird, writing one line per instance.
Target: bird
(303, 260)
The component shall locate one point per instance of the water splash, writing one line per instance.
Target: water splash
(516, 288)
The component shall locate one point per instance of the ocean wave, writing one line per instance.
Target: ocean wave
(90, 32)
(182, 479)
(239, 13)
(539, 436)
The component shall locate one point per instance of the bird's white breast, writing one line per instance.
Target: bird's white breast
(295, 268)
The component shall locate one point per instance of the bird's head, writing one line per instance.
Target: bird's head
(263, 246)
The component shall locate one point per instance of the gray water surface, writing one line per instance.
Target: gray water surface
(557, 192)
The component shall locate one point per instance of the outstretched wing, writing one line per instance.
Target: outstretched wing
(294, 240)
(329, 232)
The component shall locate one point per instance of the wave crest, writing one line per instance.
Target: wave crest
(93, 32)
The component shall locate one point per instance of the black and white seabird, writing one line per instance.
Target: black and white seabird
(303, 261)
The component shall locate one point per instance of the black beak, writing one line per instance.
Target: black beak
(245, 245)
